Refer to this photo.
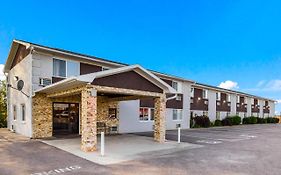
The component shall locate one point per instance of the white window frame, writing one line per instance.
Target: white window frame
(175, 85)
(218, 96)
(149, 114)
(66, 67)
(23, 112)
(206, 94)
(228, 98)
(237, 99)
(178, 112)
(218, 115)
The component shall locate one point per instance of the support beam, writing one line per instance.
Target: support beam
(89, 120)
(159, 118)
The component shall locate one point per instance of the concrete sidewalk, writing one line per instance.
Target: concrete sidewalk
(121, 148)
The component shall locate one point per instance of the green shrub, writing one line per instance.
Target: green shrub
(272, 120)
(250, 120)
(202, 121)
(217, 123)
(227, 121)
(262, 120)
(235, 120)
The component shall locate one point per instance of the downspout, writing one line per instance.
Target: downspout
(173, 97)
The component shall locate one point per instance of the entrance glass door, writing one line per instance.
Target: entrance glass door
(65, 118)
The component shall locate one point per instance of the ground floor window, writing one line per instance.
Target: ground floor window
(22, 112)
(227, 114)
(205, 113)
(146, 114)
(218, 117)
(265, 115)
(177, 114)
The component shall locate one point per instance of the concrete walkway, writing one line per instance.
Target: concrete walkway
(120, 148)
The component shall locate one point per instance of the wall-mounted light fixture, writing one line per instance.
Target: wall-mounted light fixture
(224, 101)
(16, 78)
(199, 98)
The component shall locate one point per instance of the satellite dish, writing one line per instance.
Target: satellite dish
(20, 85)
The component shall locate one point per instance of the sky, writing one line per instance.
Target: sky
(226, 43)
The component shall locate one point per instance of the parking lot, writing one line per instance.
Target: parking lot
(237, 150)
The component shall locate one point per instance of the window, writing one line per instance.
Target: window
(227, 114)
(218, 117)
(205, 94)
(237, 114)
(72, 68)
(146, 114)
(258, 102)
(175, 85)
(205, 113)
(218, 95)
(15, 112)
(252, 101)
(22, 112)
(177, 114)
(228, 97)
(63, 68)
(178, 98)
(192, 92)
(238, 99)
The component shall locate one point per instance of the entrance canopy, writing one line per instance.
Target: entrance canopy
(96, 92)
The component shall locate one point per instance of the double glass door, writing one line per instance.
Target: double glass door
(65, 118)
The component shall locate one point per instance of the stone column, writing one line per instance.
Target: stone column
(159, 118)
(89, 120)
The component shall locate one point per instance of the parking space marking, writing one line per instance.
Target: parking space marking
(58, 170)
(209, 141)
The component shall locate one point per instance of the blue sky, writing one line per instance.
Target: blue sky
(207, 41)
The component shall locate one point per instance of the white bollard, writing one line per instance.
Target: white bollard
(102, 143)
(179, 135)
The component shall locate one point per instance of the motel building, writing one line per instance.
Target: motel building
(52, 92)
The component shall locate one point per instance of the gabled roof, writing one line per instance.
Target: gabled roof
(89, 78)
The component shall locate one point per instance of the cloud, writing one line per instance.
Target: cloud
(279, 101)
(2, 76)
(228, 84)
(266, 86)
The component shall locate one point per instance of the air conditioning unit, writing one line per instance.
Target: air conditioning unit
(45, 81)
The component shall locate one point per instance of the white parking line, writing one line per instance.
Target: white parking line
(58, 170)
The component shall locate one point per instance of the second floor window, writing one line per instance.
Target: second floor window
(175, 85)
(192, 92)
(63, 68)
(218, 95)
(205, 94)
(228, 97)
(238, 99)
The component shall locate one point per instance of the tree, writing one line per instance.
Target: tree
(3, 104)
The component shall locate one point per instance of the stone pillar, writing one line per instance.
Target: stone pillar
(159, 118)
(89, 120)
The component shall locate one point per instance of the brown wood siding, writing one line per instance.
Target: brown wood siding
(174, 104)
(89, 68)
(22, 52)
(224, 104)
(169, 82)
(197, 104)
(149, 102)
(266, 108)
(128, 80)
(56, 79)
(255, 108)
(241, 107)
